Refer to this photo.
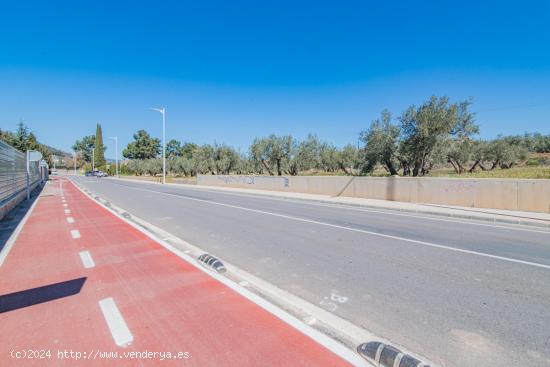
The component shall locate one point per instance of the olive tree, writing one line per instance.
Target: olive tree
(381, 141)
(425, 126)
(276, 154)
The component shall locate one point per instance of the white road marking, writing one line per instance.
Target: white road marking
(65, 205)
(346, 206)
(416, 242)
(70, 220)
(11, 240)
(67, 211)
(75, 233)
(86, 259)
(349, 355)
(117, 326)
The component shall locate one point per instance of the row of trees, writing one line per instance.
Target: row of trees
(440, 132)
(437, 132)
(23, 139)
(269, 155)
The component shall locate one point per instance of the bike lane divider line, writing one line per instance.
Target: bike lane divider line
(117, 326)
(138, 297)
(86, 259)
(165, 299)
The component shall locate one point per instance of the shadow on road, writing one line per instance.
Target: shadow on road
(34, 296)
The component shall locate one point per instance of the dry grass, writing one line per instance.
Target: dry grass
(516, 172)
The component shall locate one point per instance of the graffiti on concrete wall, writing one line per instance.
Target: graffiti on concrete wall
(253, 180)
(459, 187)
(247, 180)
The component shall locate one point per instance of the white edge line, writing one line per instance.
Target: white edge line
(359, 207)
(11, 241)
(86, 259)
(418, 242)
(329, 343)
(117, 326)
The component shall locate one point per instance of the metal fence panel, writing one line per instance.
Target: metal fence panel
(13, 172)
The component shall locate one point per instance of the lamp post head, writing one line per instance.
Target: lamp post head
(161, 110)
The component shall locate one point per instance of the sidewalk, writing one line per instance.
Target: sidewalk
(78, 279)
(490, 215)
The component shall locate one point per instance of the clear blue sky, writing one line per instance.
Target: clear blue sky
(228, 71)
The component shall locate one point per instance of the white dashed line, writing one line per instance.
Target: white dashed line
(119, 330)
(65, 205)
(87, 260)
(67, 211)
(75, 233)
(70, 220)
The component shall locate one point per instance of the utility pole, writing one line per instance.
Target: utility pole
(115, 138)
(162, 111)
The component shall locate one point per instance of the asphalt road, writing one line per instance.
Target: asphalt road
(460, 293)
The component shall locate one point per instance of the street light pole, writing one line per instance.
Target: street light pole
(75, 162)
(162, 110)
(115, 138)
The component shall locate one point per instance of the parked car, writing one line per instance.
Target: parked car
(96, 173)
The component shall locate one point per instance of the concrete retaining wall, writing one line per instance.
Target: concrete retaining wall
(510, 194)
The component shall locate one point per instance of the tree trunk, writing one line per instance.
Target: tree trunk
(476, 163)
(416, 168)
(391, 167)
(461, 168)
(279, 172)
(453, 164)
(266, 167)
(343, 167)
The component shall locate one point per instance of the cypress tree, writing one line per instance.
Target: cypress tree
(99, 148)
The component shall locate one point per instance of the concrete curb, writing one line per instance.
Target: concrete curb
(190, 254)
(485, 217)
(340, 331)
(11, 240)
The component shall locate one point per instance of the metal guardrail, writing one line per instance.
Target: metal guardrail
(13, 173)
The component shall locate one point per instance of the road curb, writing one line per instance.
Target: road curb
(490, 218)
(332, 331)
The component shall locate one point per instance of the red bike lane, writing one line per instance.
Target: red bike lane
(79, 279)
